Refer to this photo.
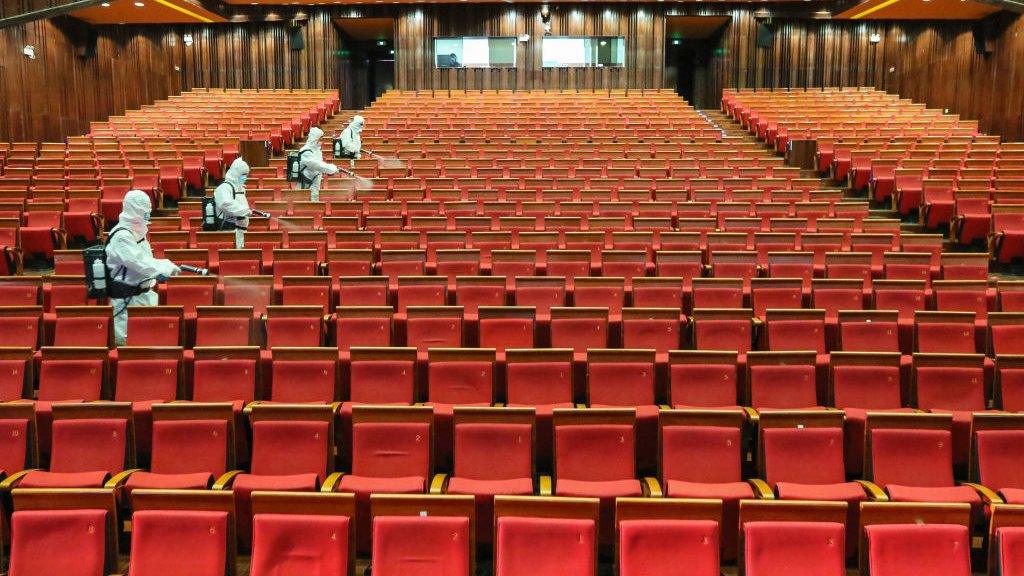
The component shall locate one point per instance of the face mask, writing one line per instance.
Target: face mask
(139, 229)
(146, 218)
(242, 179)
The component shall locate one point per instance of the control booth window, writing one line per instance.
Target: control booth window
(475, 52)
(583, 51)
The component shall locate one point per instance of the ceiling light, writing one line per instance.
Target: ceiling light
(105, 4)
(139, 4)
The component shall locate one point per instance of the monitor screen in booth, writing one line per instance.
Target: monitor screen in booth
(583, 51)
(475, 52)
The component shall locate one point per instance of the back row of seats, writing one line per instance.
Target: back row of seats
(702, 456)
(534, 537)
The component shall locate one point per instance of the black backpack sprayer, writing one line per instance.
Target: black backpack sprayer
(101, 283)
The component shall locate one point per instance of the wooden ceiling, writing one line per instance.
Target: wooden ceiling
(371, 2)
(151, 12)
(917, 10)
(367, 28)
(693, 27)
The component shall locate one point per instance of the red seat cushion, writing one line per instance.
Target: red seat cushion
(911, 549)
(195, 481)
(79, 535)
(846, 491)
(729, 492)
(363, 486)
(511, 487)
(598, 489)
(1013, 495)
(724, 491)
(785, 548)
(664, 546)
(299, 544)
(245, 484)
(537, 546)
(404, 545)
(44, 479)
(159, 538)
(964, 494)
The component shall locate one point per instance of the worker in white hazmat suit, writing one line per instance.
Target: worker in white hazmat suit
(134, 271)
(351, 141)
(232, 205)
(311, 164)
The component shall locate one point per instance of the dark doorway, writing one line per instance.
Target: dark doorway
(690, 59)
(366, 60)
(690, 43)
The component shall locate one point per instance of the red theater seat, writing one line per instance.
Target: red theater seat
(906, 549)
(402, 542)
(545, 547)
(183, 541)
(780, 548)
(391, 454)
(493, 455)
(659, 546)
(701, 457)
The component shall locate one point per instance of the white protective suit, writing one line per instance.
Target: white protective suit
(130, 260)
(351, 142)
(311, 161)
(229, 198)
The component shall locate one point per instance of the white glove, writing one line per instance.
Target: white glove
(175, 271)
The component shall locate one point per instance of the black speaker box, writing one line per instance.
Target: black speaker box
(85, 43)
(765, 35)
(296, 41)
(984, 37)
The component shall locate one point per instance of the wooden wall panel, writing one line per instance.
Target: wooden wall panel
(59, 93)
(931, 62)
(417, 26)
(934, 62)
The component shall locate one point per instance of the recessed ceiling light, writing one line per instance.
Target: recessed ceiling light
(105, 4)
(139, 4)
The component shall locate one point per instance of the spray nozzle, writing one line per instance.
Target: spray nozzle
(261, 214)
(194, 270)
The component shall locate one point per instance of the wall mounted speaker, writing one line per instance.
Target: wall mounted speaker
(984, 37)
(765, 35)
(85, 43)
(296, 41)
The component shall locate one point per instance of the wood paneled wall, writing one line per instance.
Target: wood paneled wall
(931, 62)
(934, 62)
(641, 24)
(257, 54)
(59, 93)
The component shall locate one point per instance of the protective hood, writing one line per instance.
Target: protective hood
(357, 124)
(313, 140)
(135, 212)
(238, 172)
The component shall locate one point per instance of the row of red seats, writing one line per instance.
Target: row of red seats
(799, 456)
(532, 537)
(482, 318)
